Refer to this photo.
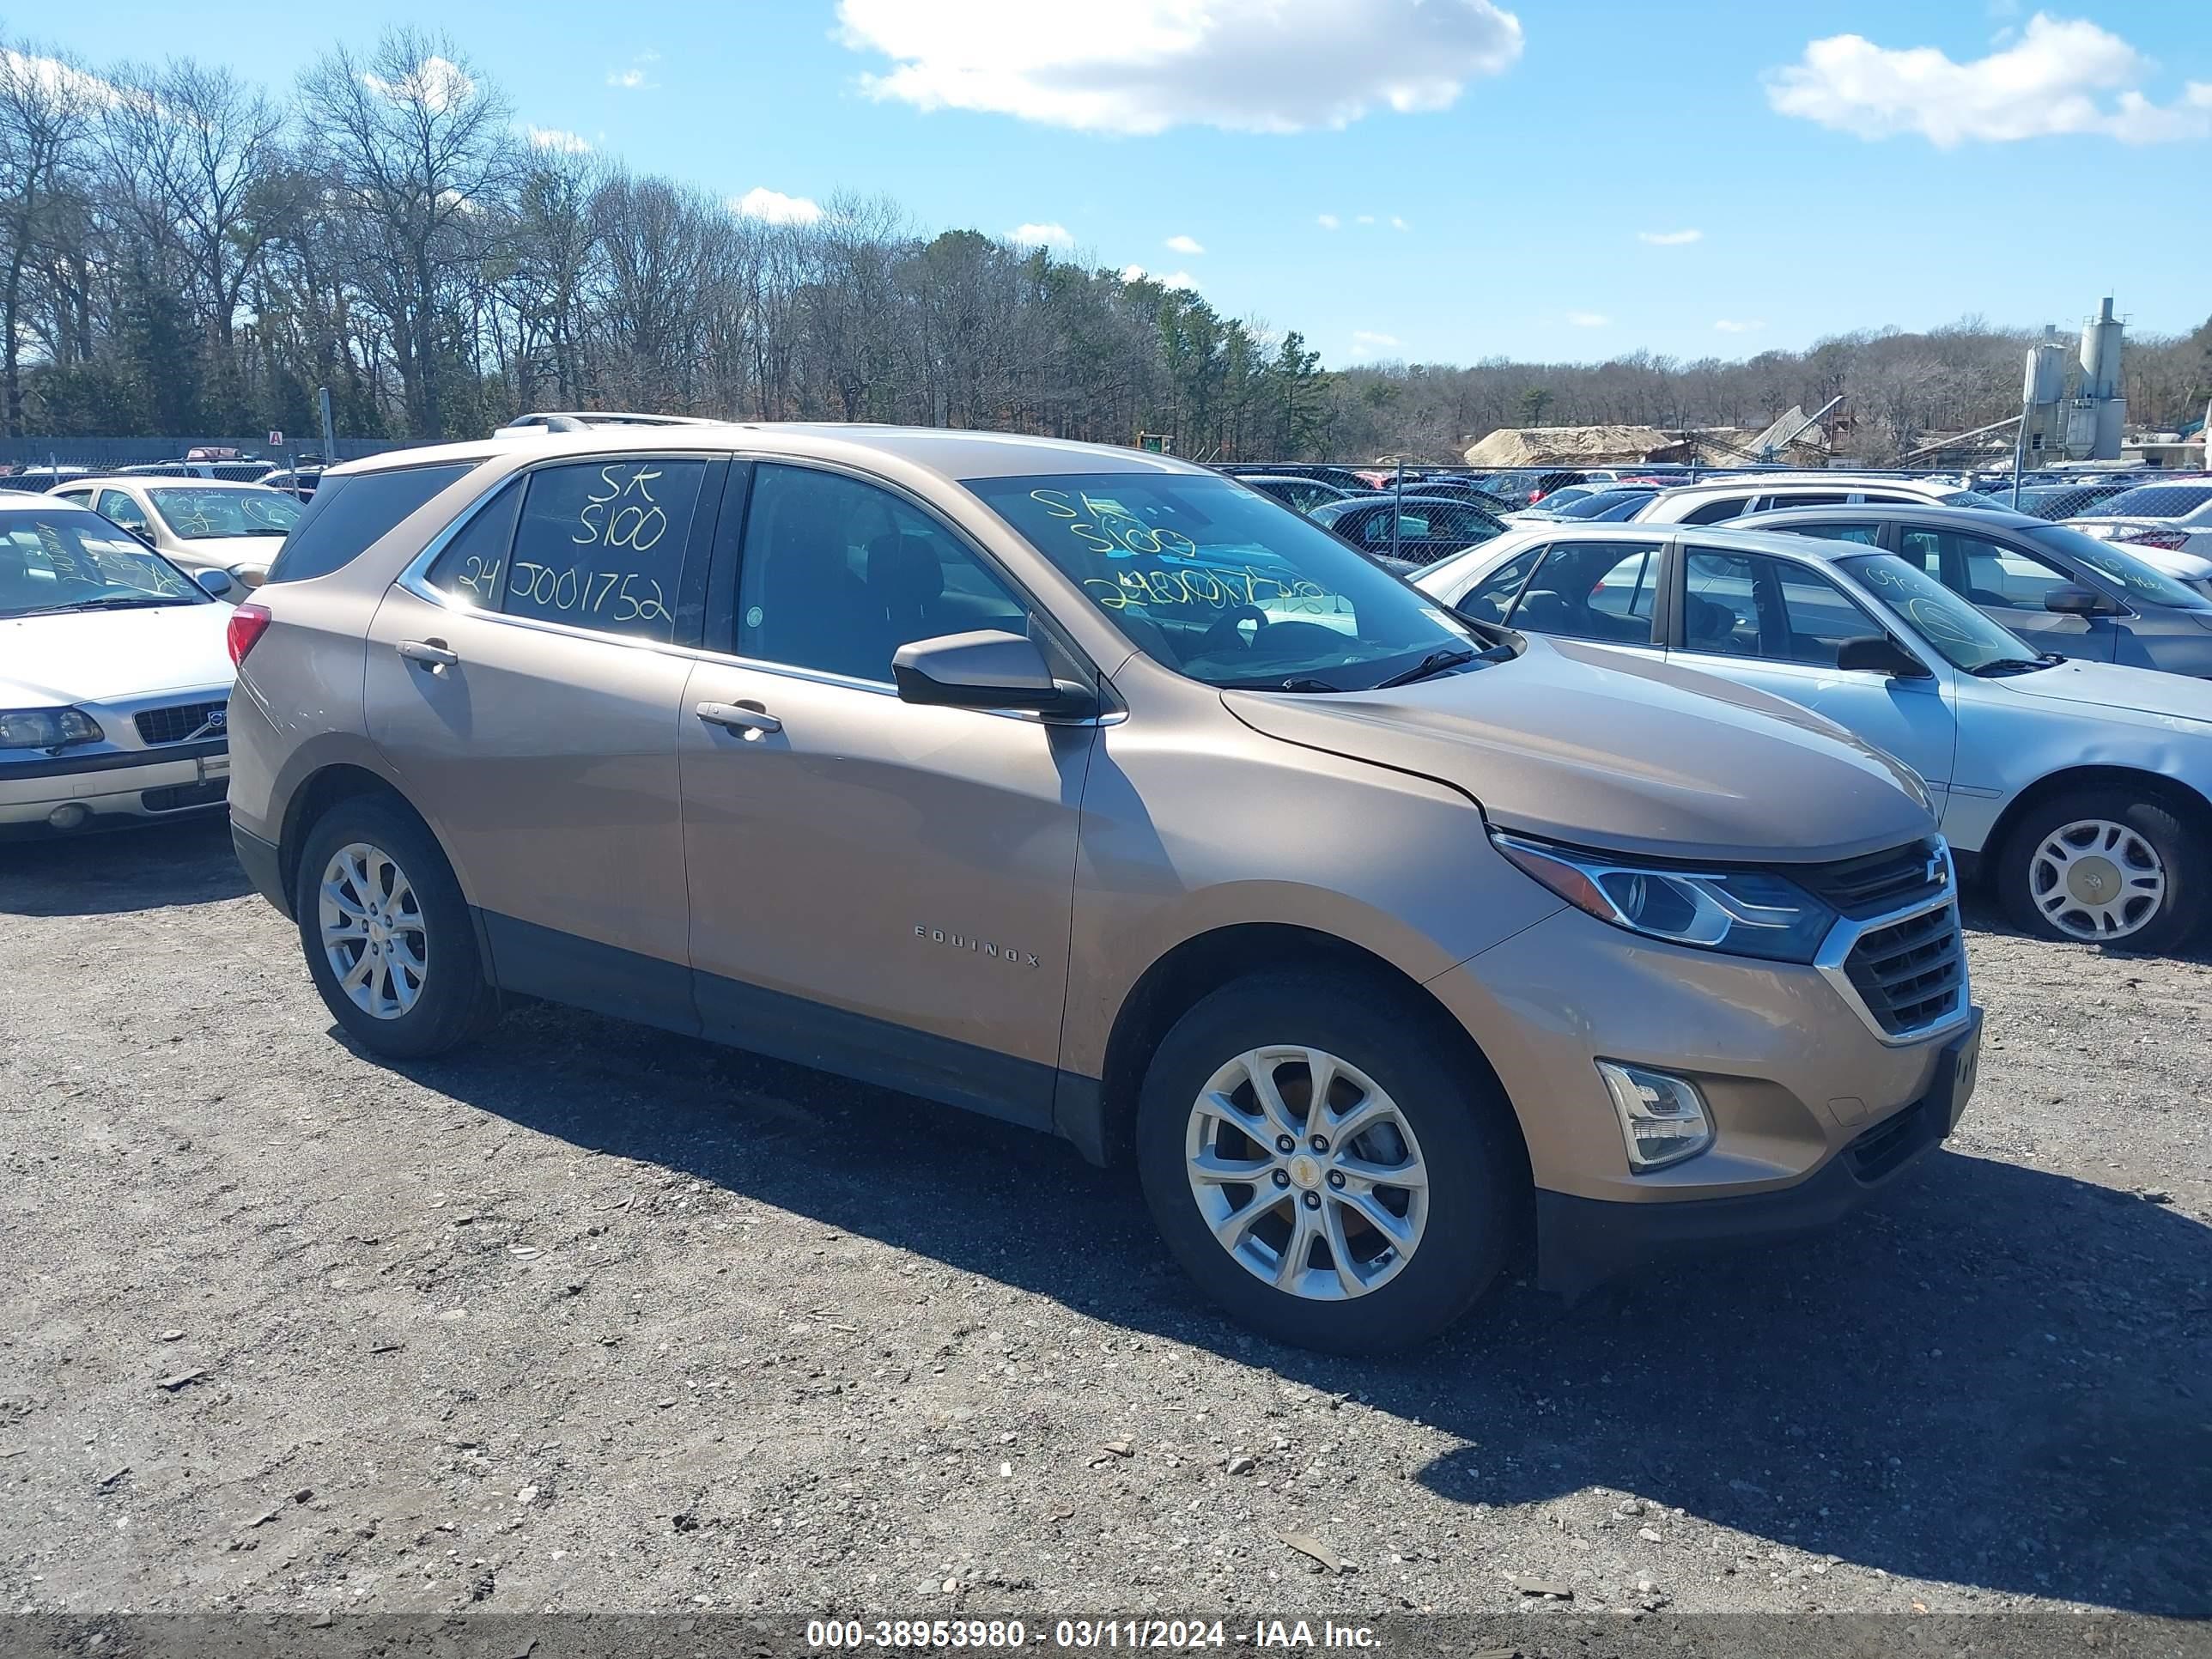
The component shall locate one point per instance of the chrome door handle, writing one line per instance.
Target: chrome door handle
(431, 654)
(745, 719)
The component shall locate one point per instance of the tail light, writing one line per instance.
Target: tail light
(2174, 540)
(247, 624)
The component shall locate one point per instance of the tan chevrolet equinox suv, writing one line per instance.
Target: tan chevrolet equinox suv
(1093, 791)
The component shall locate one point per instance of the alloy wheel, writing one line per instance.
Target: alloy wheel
(373, 932)
(2097, 880)
(1307, 1173)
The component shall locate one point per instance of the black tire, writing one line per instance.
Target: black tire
(455, 1001)
(1478, 1176)
(2179, 844)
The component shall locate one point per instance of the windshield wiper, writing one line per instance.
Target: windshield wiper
(1294, 684)
(2017, 665)
(1435, 663)
(110, 602)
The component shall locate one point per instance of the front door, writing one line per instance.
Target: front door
(520, 694)
(878, 888)
(1776, 624)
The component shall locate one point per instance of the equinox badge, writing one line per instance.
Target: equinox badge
(1006, 953)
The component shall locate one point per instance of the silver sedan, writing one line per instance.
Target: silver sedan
(2083, 790)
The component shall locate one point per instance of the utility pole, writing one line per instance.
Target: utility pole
(330, 437)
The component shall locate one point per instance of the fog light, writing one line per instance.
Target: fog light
(1663, 1118)
(69, 815)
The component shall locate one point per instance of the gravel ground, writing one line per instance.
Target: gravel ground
(597, 1318)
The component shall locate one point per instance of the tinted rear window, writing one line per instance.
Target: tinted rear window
(351, 510)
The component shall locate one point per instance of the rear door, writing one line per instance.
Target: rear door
(877, 888)
(524, 681)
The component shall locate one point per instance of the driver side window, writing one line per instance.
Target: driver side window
(838, 573)
(118, 508)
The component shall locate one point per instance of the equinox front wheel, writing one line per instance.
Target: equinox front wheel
(1320, 1160)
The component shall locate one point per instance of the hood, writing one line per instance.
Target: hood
(89, 656)
(2111, 691)
(228, 551)
(1628, 754)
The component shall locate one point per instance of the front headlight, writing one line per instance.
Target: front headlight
(1745, 913)
(46, 728)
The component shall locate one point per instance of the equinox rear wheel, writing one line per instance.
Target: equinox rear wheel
(1323, 1166)
(387, 934)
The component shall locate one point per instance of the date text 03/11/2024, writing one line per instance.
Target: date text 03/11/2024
(1079, 1635)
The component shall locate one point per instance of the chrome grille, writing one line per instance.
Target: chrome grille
(1875, 884)
(1911, 974)
(178, 721)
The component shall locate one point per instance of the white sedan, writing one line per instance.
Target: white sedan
(202, 524)
(2083, 789)
(115, 675)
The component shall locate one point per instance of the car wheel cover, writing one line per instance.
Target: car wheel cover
(1307, 1173)
(2097, 880)
(374, 935)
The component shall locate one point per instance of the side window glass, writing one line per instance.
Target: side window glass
(473, 563)
(837, 574)
(1491, 598)
(1714, 512)
(1866, 535)
(1597, 591)
(1720, 617)
(120, 508)
(600, 545)
(1924, 550)
(1819, 616)
(2005, 577)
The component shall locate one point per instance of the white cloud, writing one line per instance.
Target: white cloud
(1733, 325)
(638, 76)
(1670, 238)
(1184, 245)
(1587, 319)
(1396, 223)
(436, 84)
(1328, 221)
(1367, 343)
(1048, 235)
(773, 207)
(556, 139)
(1142, 66)
(1181, 279)
(2050, 81)
(58, 80)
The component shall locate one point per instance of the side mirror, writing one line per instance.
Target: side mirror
(2068, 601)
(1881, 655)
(987, 669)
(143, 533)
(216, 582)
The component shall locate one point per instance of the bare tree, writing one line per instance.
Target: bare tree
(421, 151)
(47, 107)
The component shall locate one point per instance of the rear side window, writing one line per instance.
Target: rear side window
(351, 510)
(1727, 507)
(601, 546)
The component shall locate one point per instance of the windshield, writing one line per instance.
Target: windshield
(222, 514)
(2151, 502)
(2119, 567)
(1966, 638)
(68, 559)
(1223, 586)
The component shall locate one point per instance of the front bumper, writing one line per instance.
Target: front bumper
(1584, 1242)
(69, 792)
